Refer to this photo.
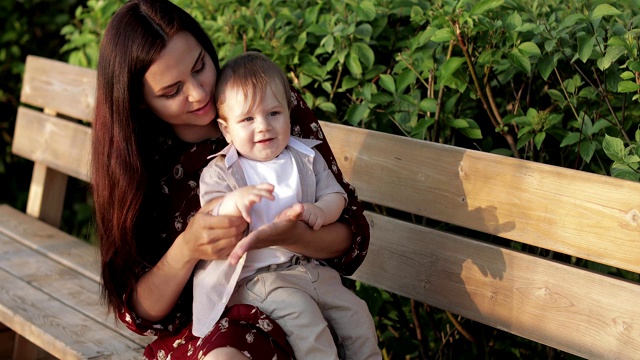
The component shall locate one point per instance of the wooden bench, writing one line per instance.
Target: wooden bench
(49, 280)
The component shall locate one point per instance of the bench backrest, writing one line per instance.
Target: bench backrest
(570, 212)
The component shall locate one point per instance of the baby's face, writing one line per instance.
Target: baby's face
(259, 133)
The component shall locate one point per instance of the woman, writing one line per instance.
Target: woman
(154, 128)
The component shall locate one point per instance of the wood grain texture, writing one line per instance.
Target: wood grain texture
(586, 215)
(59, 87)
(57, 264)
(568, 308)
(60, 144)
(55, 327)
(46, 194)
(55, 244)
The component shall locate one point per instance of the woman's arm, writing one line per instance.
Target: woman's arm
(206, 237)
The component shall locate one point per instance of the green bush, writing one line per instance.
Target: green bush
(556, 82)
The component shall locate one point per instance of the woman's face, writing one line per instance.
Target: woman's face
(179, 86)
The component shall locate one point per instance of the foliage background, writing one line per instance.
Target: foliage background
(554, 81)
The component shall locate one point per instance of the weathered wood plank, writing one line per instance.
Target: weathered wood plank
(542, 205)
(572, 309)
(51, 242)
(59, 87)
(60, 144)
(57, 328)
(62, 283)
(60, 266)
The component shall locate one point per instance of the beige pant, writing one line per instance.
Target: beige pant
(300, 298)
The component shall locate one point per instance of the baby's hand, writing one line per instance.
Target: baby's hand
(313, 215)
(241, 201)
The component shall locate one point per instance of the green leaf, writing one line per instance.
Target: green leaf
(366, 11)
(406, 78)
(328, 107)
(356, 113)
(622, 171)
(381, 98)
(585, 46)
(387, 83)
(614, 148)
(328, 43)
(612, 54)
(449, 67)
(364, 31)
(317, 30)
(513, 22)
(538, 139)
(604, 10)
(348, 82)
(546, 66)
(529, 49)
(353, 64)
(520, 61)
(429, 105)
(599, 125)
(483, 6)
(524, 140)
(634, 65)
(587, 149)
(628, 75)
(443, 35)
(364, 53)
(458, 123)
(472, 130)
(571, 20)
(570, 139)
(627, 86)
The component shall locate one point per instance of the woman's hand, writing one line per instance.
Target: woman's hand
(211, 237)
(206, 237)
(280, 232)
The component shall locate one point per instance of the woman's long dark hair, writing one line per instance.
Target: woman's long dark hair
(123, 129)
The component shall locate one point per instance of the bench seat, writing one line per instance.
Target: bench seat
(51, 294)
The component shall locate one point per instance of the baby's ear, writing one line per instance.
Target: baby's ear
(225, 130)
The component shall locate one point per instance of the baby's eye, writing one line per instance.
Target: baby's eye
(247, 119)
(274, 113)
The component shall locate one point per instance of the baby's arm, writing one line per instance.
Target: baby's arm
(239, 202)
(325, 211)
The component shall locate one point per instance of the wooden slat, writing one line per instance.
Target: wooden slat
(55, 327)
(51, 242)
(59, 87)
(67, 268)
(57, 143)
(585, 215)
(581, 312)
(62, 283)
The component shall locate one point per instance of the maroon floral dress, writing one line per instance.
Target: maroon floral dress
(243, 327)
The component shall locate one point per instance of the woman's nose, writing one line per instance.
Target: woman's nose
(196, 92)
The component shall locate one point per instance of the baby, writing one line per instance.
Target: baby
(264, 161)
